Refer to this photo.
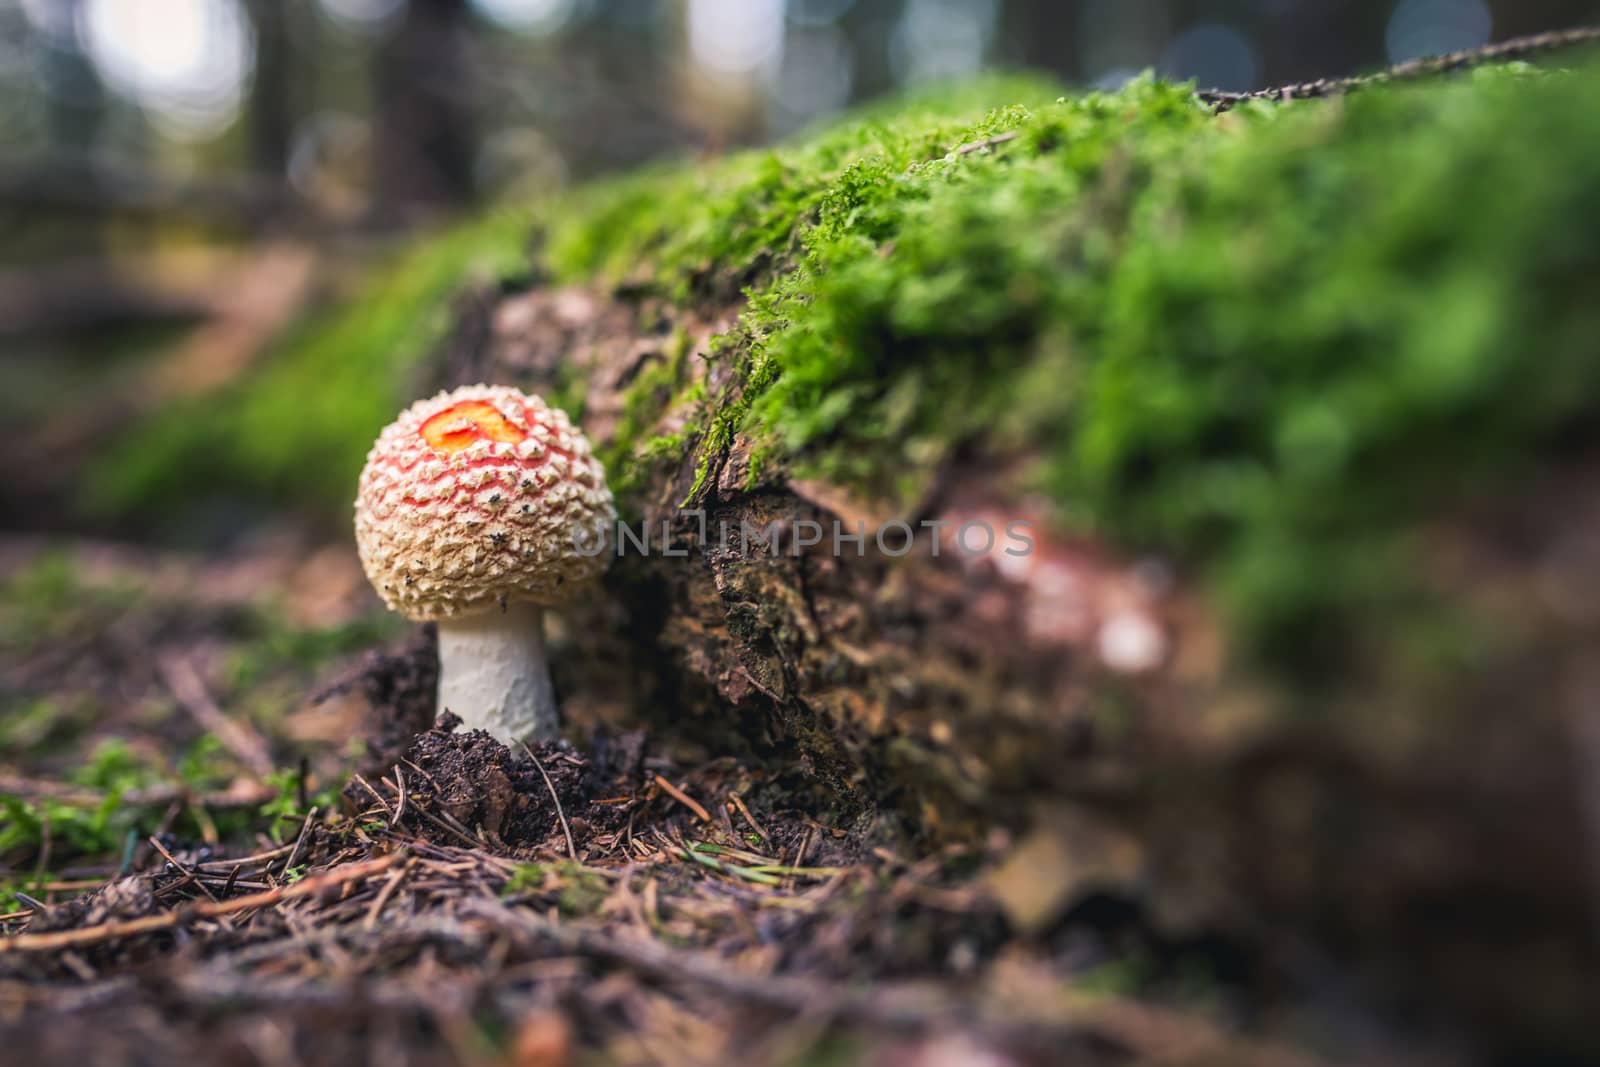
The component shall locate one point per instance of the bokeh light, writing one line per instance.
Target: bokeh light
(186, 62)
(817, 75)
(362, 14)
(733, 38)
(818, 12)
(50, 17)
(528, 16)
(1114, 39)
(1432, 27)
(1214, 55)
(942, 38)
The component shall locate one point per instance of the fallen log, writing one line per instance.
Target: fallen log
(1288, 416)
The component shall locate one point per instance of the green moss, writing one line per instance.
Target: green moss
(925, 292)
(1271, 344)
(634, 451)
(681, 231)
(299, 428)
(576, 890)
(47, 601)
(1331, 328)
(111, 770)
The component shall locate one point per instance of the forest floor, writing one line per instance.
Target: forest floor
(232, 832)
(172, 895)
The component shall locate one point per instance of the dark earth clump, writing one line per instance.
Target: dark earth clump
(471, 780)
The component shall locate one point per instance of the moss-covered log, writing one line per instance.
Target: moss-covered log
(1298, 405)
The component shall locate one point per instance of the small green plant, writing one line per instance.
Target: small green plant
(36, 725)
(76, 827)
(9, 901)
(47, 601)
(285, 806)
(114, 772)
(528, 878)
(578, 890)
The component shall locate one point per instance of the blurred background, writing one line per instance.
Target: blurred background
(375, 112)
(233, 233)
(182, 180)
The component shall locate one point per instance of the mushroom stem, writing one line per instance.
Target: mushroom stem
(493, 673)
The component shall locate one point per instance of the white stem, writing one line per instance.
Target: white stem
(493, 674)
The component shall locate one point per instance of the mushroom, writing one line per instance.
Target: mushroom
(478, 509)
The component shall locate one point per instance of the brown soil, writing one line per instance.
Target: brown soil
(471, 903)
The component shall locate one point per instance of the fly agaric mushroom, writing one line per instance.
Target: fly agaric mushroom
(478, 509)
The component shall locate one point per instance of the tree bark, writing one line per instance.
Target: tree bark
(426, 132)
(272, 101)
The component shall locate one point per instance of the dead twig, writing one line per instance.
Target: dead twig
(986, 143)
(572, 849)
(201, 909)
(683, 798)
(188, 875)
(387, 893)
(243, 794)
(738, 802)
(1151, 1032)
(236, 735)
(299, 841)
(400, 792)
(1516, 48)
(384, 804)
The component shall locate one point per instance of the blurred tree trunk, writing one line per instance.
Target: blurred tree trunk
(870, 28)
(426, 121)
(1306, 41)
(1514, 18)
(271, 117)
(1043, 35)
(74, 95)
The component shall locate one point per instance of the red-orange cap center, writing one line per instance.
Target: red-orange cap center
(461, 425)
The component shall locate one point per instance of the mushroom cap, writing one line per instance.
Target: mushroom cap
(480, 496)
